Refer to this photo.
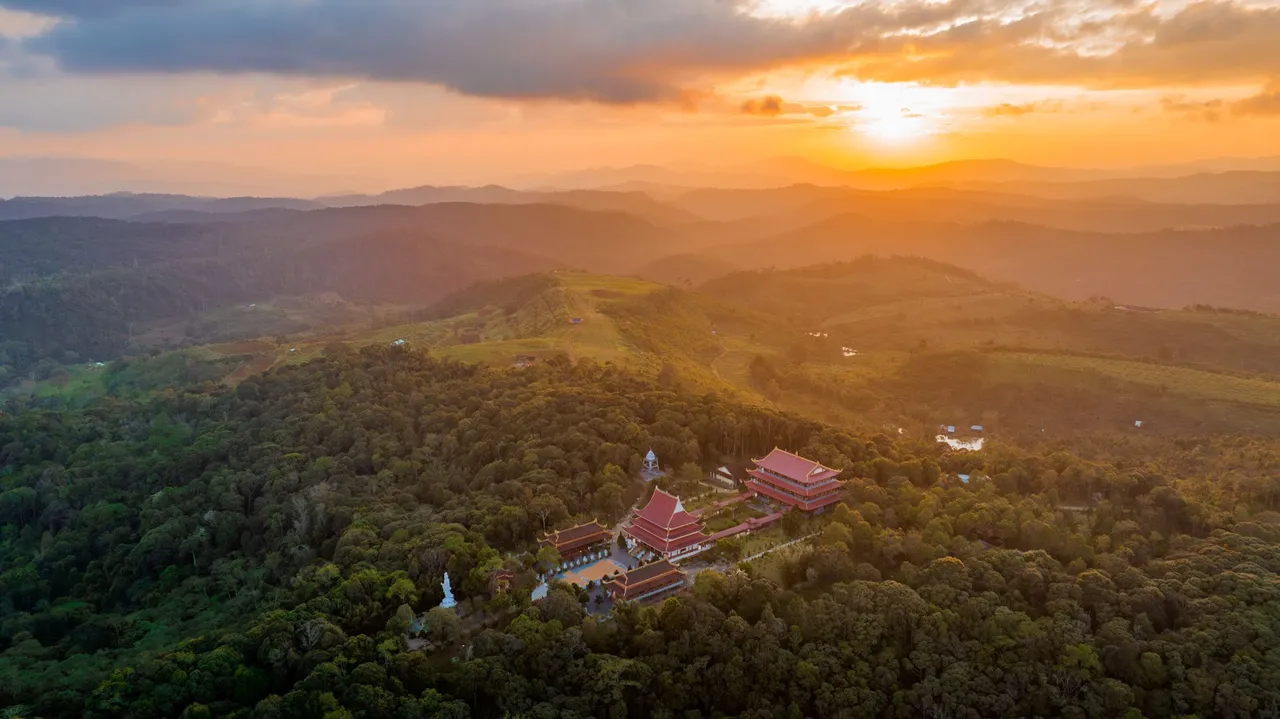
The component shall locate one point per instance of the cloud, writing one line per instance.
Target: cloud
(1007, 109)
(773, 106)
(81, 8)
(1266, 102)
(634, 51)
(1207, 110)
(16, 24)
(614, 51)
(1134, 46)
(40, 103)
(770, 106)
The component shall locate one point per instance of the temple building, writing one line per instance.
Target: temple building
(647, 582)
(577, 541)
(664, 528)
(795, 481)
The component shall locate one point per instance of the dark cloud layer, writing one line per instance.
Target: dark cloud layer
(605, 50)
(82, 8)
(624, 51)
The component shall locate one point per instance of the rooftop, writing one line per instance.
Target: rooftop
(795, 467)
(646, 573)
(572, 534)
(666, 511)
(736, 470)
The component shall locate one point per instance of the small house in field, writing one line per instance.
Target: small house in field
(1138, 424)
(976, 428)
(575, 320)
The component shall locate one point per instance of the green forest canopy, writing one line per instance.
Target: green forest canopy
(259, 552)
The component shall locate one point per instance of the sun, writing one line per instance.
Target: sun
(895, 113)
(899, 126)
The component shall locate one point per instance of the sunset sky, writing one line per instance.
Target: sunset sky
(403, 91)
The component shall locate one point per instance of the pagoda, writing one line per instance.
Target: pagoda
(665, 528)
(795, 481)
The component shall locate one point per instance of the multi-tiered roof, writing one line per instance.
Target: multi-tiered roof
(794, 480)
(664, 526)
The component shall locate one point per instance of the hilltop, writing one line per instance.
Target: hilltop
(876, 344)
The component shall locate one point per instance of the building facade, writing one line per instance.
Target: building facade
(795, 481)
(664, 529)
(577, 541)
(646, 583)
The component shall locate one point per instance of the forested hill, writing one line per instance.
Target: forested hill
(261, 552)
(97, 315)
(1169, 268)
(88, 288)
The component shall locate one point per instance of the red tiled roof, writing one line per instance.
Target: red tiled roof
(807, 505)
(805, 490)
(795, 467)
(665, 511)
(664, 524)
(664, 543)
(646, 578)
(579, 536)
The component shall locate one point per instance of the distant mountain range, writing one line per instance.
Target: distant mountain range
(780, 172)
(69, 177)
(72, 176)
(82, 273)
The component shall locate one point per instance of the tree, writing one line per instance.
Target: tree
(548, 508)
(442, 626)
(403, 620)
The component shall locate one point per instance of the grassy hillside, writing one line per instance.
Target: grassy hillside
(896, 345)
(910, 343)
(887, 345)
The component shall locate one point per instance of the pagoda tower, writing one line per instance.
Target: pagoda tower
(665, 528)
(793, 480)
(651, 466)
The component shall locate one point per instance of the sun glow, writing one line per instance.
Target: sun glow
(896, 113)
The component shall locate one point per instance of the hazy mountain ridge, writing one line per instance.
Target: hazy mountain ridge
(121, 206)
(1231, 267)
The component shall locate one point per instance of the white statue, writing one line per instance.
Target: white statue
(449, 602)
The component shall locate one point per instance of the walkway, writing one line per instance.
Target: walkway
(784, 545)
(694, 568)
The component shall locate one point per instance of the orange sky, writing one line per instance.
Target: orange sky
(500, 88)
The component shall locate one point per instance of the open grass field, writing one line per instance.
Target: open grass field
(1178, 380)
(938, 310)
(81, 384)
(1248, 326)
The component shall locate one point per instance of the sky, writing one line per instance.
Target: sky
(396, 92)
